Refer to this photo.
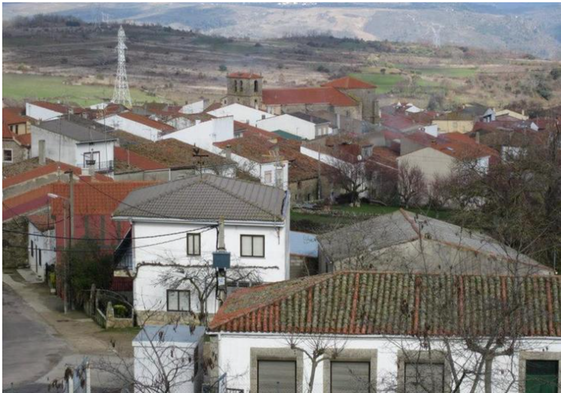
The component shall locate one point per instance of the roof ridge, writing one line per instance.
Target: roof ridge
(410, 221)
(242, 199)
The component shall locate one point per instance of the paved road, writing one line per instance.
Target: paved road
(31, 348)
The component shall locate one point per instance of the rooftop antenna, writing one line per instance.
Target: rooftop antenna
(200, 158)
(121, 94)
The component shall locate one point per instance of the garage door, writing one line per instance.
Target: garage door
(276, 376)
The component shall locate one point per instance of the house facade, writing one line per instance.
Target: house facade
(41, 244)
(13, 150)
(241, 113)
(44, 111)
(294, 125)
(137, 125)
(387, 332)
(75, 144)
(174, 235)
(206, 133)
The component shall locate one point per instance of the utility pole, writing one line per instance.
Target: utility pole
(221, 262)
(67, 293)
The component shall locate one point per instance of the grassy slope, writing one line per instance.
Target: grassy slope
(21, 86)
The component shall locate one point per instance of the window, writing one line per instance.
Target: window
(256, 86)
(350, 377)
(278, 177)
(268, 177)
(235, 86)
(241, 86)
(32, 246)
(179, 300)
(252, 245)
(424, 378)
(542, 376)
(276, 376)
(8, 155)
(193, 244)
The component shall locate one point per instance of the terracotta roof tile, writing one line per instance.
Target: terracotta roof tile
(373, 303)
(307, 95)
(453, 144)
(51, 106)
(38, 172)
(96, 199)
(42, 221)
(132, 159)
(6, 133)
(12, 116)
(146, 121)
(349, 82)
(244, 75)
(25, 203)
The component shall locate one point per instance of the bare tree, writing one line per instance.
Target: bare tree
(411, 185)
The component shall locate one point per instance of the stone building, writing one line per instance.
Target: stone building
(244, 88)
(360, 91)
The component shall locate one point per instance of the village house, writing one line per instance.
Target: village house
(206, 133)
(175, 233)
(75, 141)
(437, 157)
(241, 113)
(16, 122)
(41, 244)
(137, 124)
(165, 160)
(14, 150)
(363, 92)
(300, 124)
(44, 111)
(377, 331)
(411, 243)
(194, 107)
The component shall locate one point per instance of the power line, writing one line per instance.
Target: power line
(112, 238)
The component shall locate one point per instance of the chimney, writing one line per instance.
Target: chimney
(477, 137)
(228, 152)
(338, 121)
(523, 112)
(42, 158)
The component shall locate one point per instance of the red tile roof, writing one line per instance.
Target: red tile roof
(454, 144)
(146, 121)
(247, 130)
(136, 160)
(38, 172)
(42, 221)
(376, 303)
(212, 107)
(6, 133)
(25, 203)
(24, 139)
(307, 95)
(349, 82)
(51, 106)
(244, 75)
(11, 116)
(97, 198)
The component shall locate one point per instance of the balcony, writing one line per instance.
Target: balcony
(100, 166)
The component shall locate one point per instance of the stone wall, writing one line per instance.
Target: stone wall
(14, 245)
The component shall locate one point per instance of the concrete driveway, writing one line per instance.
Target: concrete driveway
(31, 348)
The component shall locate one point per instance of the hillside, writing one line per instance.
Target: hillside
(525, 28)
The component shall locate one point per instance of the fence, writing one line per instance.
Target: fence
(102, 311)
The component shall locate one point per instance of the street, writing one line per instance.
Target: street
(31, 347)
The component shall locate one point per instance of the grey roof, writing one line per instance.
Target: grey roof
(401, 227)
(206, 197)
(79, 129)
(169, 334)
(310, 118)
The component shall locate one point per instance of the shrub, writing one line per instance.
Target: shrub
(222, 68)
(121, 311)
(52, 280)
(322, 68)
(555, 73)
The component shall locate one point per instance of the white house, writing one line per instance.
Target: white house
(206, 133)
(169, 355)
(390, 332)
(41, 244)
(194, 107)
(241, 113)
(174, 232)
(77, 142)
(137, 125)
(42, 110)
(300, 124)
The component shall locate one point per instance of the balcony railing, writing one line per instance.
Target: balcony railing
(99, 166)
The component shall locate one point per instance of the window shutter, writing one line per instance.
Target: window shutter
(350, 377)
(276, 376)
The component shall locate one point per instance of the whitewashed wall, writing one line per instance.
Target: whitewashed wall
(241, 113)
(150, 294)
(132, 127)
(195, 107)
(39, 113)
(46, 244)
(235, 355)
(291, 124)
(206, 133)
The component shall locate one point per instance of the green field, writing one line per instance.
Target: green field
(22, 86)
(448, 72)
(385, 82)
